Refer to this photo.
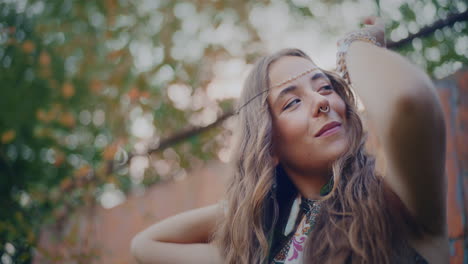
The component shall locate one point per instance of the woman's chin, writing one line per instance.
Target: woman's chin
(335, 149)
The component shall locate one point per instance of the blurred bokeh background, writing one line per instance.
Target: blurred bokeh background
(117, 113)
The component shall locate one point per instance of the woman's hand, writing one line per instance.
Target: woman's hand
(373, 27)
(376, 27)
(373, 32)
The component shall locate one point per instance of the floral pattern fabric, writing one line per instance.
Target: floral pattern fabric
(292, 252)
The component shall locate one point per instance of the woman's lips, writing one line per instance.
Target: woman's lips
(329, 129)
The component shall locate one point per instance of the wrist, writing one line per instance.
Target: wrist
(344, 45)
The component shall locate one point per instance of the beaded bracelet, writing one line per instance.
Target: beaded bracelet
(343, 49)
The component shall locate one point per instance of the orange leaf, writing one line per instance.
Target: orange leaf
(44, 59)
(59, 159)
(67, 119)
(96, 86)
(134, 93)
(83, 171)
(41, 115)
(109, 152)
(28, 46)
(66, 184)
(68, 90)
(8, 136)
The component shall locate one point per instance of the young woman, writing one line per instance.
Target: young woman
(304, 189)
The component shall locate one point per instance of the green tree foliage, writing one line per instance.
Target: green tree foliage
(85, 83)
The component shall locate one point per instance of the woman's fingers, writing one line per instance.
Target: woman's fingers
(370, 20)
(374, 21)
(374, 26)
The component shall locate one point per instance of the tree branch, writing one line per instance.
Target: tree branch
(449, 21)
(179, 137)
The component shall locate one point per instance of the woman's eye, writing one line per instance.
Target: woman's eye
(326, 88)
(293, 102)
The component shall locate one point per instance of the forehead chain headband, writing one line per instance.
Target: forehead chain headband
(292, 78)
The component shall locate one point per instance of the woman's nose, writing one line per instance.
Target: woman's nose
(321, 105)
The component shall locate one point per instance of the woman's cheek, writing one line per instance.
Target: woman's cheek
(295, 125)
(338, 105)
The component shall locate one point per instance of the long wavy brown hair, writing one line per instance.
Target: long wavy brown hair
(355, 224)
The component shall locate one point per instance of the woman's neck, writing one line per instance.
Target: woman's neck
(309, 185)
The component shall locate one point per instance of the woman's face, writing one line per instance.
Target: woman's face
(297, 119)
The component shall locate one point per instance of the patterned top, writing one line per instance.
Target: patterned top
(291, 252)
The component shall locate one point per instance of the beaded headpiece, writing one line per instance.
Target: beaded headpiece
(297, 76)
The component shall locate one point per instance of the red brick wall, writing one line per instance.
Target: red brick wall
(103, 235)
(108, 232)
(453, 92)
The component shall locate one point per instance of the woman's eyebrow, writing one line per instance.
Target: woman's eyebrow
(291, 88)
(285, 91)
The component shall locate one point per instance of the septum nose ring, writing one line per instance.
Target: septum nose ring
(324, 110)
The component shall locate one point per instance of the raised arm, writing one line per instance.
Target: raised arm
(183, 238)
(403, 106)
